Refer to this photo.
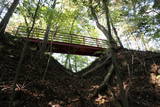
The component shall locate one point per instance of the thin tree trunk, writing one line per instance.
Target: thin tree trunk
(116, 34)
(45, 40)
(7, 17)
(75, 64)
(45, 72)
(70, 65)
(66, 61)
(46, 35)
(23, 54)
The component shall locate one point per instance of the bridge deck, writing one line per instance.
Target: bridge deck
(66, 43)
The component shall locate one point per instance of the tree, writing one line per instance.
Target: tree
(23, 54)
(106, 32)
(7, 17)
(112, 45)
(48, 28)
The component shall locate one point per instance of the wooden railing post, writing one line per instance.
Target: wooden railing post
(83, 40)
(17, 31)
(97, 42)
(71, 39)
(54, 36)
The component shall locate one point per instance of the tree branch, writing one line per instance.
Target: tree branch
(102, 28)
(106, 32)
(116, 33)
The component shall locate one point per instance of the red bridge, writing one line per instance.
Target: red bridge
(65, 43)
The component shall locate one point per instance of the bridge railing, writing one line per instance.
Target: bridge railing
(62, 37)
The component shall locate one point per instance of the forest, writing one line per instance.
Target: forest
(79, 53)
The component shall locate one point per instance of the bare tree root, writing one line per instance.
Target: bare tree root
(99, 65)
(105, 81)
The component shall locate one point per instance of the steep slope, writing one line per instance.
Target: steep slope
(139, 73)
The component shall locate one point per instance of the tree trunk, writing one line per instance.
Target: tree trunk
(46, 35)
(116, 34)
(106, 32)
(75, 64)
(45, 72)
(23, 55)
(45, 40)
(7, 16)
(112, 44)
(68, 62)
(114, 60)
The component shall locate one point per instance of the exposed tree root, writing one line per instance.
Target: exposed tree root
(97, 66)
(105, 81)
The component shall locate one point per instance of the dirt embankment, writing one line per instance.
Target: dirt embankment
(139, 73)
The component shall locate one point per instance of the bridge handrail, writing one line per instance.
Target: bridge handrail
(38, 33)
